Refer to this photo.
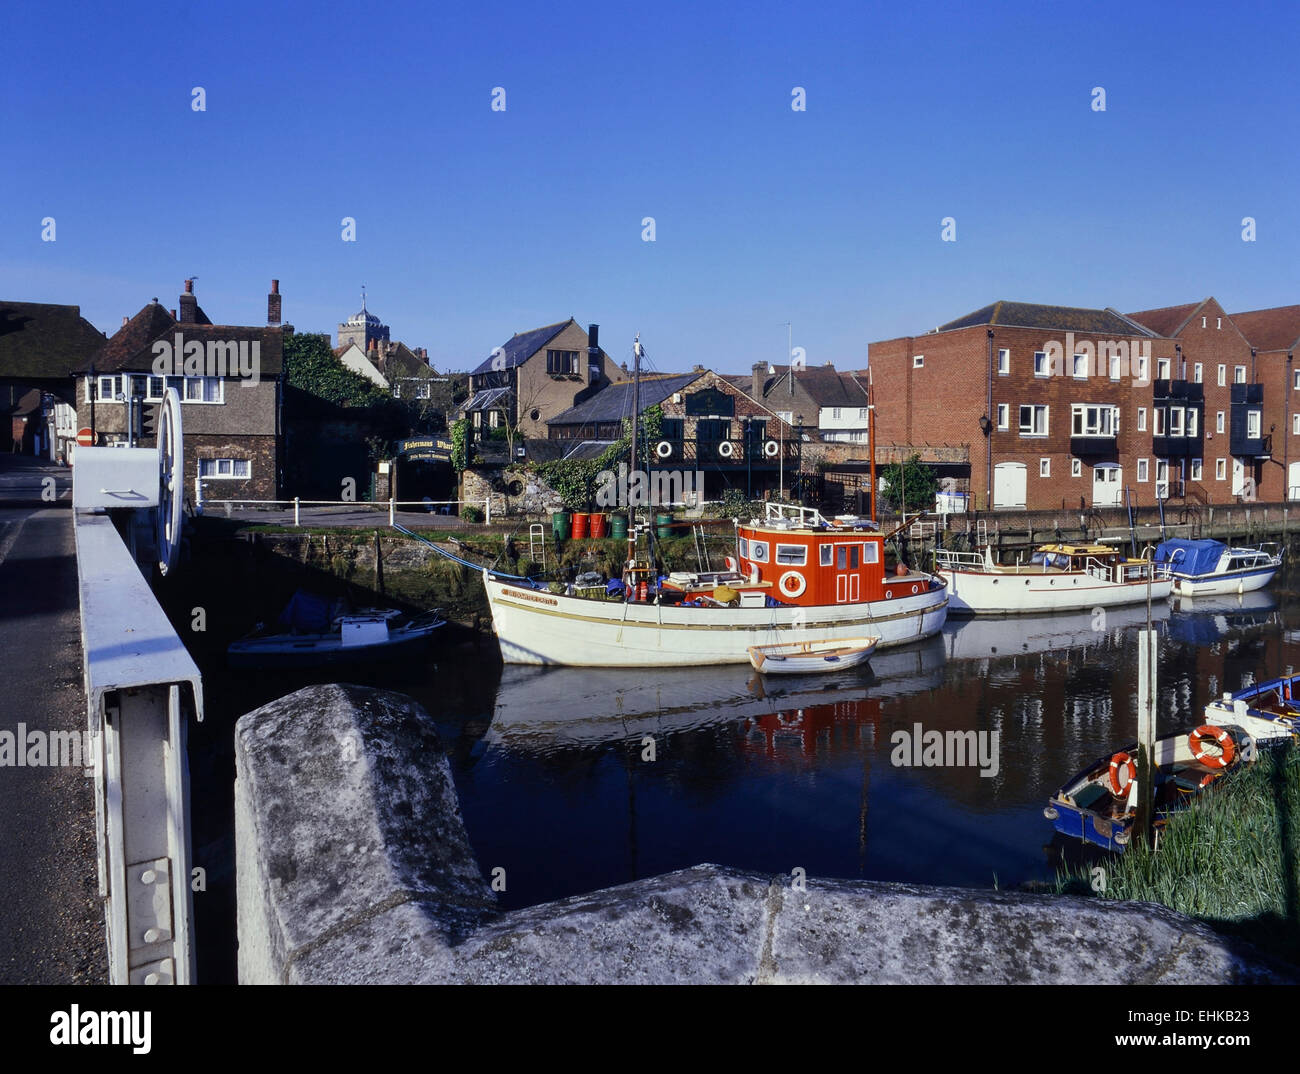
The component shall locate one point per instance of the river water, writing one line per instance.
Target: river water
(572, 779)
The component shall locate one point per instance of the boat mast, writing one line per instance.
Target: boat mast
(636, 424)
(871, 439)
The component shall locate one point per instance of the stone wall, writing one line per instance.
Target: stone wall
(354, 867)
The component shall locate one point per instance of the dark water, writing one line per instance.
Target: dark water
(557, 787)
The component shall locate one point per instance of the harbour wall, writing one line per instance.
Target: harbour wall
(353, 866)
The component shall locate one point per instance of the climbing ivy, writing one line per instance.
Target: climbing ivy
(460, 444)
(311, 366)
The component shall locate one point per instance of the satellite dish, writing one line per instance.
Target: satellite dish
(171, 480)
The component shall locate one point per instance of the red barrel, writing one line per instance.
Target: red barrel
(600, 526)
(579, 529)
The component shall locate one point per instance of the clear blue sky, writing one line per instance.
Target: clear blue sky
(473, 224)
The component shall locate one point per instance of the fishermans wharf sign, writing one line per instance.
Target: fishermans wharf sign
(426, 448)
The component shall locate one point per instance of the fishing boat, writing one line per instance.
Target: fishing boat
(794, 576)
(1058, 577)
(807, 657)
(1203, 568)
(315, 632)
(1269, 711)
(1099, 804)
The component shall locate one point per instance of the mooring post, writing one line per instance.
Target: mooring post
(1142, 824)
(295, 511)
(392, 512)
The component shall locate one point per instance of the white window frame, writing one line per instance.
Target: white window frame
(754, 551)
(1103, 416)
(1197, 470)
(1192, 422)
(100, 396)
(1295, 424)
(1158, 422)
(1004, 416)
(1143, 466)
(796, 555)
(1223, 375)
(1142, 419)
(1042, 368)
(1163, 368)
(1238, 374)
(918, 361)
(1044, 467)
(1142, 368)
(1080, 360)
(1076, 467)
(1176, 416)
(1197, 373)
(1116, 368)
(1004, 361)
(1034, 409)
(1254, 421)
(1220, 469)
(229, 465)
(1218, 422)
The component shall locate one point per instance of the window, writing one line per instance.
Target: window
(795, 555)
(106, 389)
(758, 551)
(918, 361)
(1218, 322)
(1142, 470)
(1252, 424)
(835, 413)
(1158, 422)
(862, 413)
(1202, 322)
(871, 552)
(742, 546)
(1162, 470)
(1218, 422)
(827, 552)
(1239, 374)
(1296, 383)
(1220, 469)
(1114, 367)
(422, 391)
(1142, 419)
(155, 389)
(202, 390)
(1004, 415)
(1080, 366)
(1162, 369)
(561, 362)
(397, 391)
(1094, 420)
(1197, 373)
(1004, 362)
(1042, 367)
(1142, 367)
(235, 469)
(1044, 467)
(1033, 421)
(1076, 468)
(1295, 424)
(1197, 470)
(1223, 374)
(1193, 419)
(1175, 421)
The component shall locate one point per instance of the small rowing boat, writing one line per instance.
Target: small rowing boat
(805, 657)
(1268, 710)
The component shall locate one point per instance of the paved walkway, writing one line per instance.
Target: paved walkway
(53, 922)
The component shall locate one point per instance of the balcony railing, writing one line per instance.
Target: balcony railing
(721, 454)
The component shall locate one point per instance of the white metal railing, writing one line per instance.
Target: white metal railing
(297, 504)
(971, 561)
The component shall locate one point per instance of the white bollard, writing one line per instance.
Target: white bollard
(487, 512)
(295, 511)
(392, 512)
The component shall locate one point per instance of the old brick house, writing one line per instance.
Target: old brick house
(229, 379)
(1039, 406)
(537, 374)
(832, 403)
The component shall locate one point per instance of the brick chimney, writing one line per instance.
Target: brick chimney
(189, 305)
(758, 376)
(273, 304)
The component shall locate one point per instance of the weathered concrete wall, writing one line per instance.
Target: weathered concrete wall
(353, 866)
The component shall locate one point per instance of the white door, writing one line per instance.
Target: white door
(1009, 484)
(1107, 486)
(1293, 482)
(1238, 477)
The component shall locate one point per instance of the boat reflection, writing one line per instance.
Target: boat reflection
(1205, 620)
(983, 638)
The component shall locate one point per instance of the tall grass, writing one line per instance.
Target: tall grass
(1232, 859)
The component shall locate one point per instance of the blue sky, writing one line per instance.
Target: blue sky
(473, 224)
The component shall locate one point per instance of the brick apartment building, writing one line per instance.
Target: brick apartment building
(1050, 406)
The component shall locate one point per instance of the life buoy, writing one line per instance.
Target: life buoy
(1203, 736)
(663, 449)
(1122, 762)
(771, 448)
(793, 584)
(726, 450)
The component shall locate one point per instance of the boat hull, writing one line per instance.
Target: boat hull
(1217, 585)
(323, 650)
(1035, 593)
(537, 627)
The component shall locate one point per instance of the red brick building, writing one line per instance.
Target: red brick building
(1058, 407)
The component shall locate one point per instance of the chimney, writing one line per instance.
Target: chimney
(758, 376)
(189, 305)
(173, 313)
(594, 367)
(124, 320)
(273, 304)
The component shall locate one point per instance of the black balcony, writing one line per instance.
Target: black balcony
(756, 454)
(1096, 447)
(1178, 447)
(1182, 390)
(1246, 431)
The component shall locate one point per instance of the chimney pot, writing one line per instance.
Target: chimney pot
(275, 287)
(273, 304)
(189, 287)
(124, 320)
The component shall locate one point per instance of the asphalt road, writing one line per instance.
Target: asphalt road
(51, 919)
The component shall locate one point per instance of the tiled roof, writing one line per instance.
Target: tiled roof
(614, 401)
(39, 341)
(824, 385)
(404, 362)
(131, 347)
(1276, 329)
(1167, 320)
(539, 450)
(522, 346)
(1031, 315)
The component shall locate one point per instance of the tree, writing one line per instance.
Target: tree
(311, 366)
(911, 483)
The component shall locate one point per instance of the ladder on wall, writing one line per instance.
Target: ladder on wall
(537, 544)
(701, 548)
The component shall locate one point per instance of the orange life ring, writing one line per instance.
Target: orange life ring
(1199, 739)
(1118, 762)
(797, 584)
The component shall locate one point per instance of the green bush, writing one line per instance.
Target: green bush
(471, 514)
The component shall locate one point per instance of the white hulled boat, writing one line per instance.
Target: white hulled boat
(1204, 568)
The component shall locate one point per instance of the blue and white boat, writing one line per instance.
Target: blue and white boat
(1269, 711)
(1203, 568)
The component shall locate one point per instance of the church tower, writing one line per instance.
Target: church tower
(361, 328)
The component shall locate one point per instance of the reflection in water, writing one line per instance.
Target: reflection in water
(587, 778)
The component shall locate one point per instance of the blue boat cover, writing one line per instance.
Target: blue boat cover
(1191, 557)
(307, 613)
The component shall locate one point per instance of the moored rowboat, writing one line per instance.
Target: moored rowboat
(804, 657)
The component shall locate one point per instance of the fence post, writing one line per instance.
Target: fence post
(198, 495)
(392, 512)
(487, 511)
(295, 511)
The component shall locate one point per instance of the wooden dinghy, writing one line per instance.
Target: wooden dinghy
(805, 657)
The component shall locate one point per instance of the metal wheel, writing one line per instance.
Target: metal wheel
(171, 480)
